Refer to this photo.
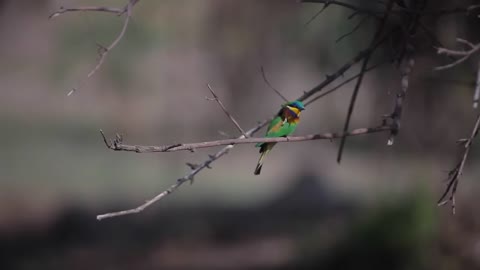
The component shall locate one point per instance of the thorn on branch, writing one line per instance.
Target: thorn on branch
(114, 144)
(191, 178)
(329, 77)
(101, 49)
(170, 147)
(105, 140)
(192, 166)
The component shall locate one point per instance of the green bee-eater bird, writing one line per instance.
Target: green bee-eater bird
(282, 125)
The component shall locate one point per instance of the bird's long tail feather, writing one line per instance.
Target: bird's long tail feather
(258, 169)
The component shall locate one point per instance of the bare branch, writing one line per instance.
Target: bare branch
(187, 177)
(229, 115)
(466, 54)
(466, 42)
(62, 10)
(325, 5)
(119, 146)
(103, 52)
(455, 174)
(230, 144)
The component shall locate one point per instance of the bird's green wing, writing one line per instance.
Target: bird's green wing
(278, 128)
(274, 125)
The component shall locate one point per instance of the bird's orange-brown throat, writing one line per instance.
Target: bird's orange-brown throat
(292, 114)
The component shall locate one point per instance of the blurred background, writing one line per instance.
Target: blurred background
(376, 210)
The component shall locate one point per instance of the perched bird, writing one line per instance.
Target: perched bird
(282, 125)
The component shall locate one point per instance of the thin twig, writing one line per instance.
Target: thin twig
(457, 171)
(224, 109)
(341, 84)
(465, 54)
(329, 78)
(117, 11)
(357, 9)
(364, 19)
(325, 5)
(264, 76)
(103, 52)
(360, 78)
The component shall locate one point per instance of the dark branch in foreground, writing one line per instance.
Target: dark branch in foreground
(455, 174)
(116, 144)
(353, 99)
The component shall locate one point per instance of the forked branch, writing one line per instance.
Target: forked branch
(463, 54)
(103, 51)
(455, 174)
(117, 144)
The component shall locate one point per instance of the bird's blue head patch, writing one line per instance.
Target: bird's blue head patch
(297, 104)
